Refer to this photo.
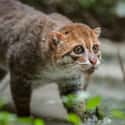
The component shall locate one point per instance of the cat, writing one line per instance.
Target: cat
(44, 48)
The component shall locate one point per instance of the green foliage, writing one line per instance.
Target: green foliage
(74, 119)
(118, 114)
(72, 99)
(7, 118)
(89, 107)
(69, 100)
(25, 120)
(94, 108)
(93, 102)
(1, 104)
(39, 122)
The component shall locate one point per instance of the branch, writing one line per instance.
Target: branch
(87, 81)
(121, 64)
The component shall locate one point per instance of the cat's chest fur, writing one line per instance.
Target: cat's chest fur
(59, 75)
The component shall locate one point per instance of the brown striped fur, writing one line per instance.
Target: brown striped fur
(49, 46)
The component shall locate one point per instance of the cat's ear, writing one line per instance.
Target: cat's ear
(98, 31)
(55, 38)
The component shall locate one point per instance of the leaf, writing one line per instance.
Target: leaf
(118, 114)
(1, 104)
(74, 119)
(93, 102)
(69, 100)
(38, 122)
(72, 99)
(6, 118)
(26, 120)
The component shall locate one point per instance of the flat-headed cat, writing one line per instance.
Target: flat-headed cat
(35, 47)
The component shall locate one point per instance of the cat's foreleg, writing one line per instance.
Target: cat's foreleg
(73, 100)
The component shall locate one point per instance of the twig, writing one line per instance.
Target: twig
(121, 64)
(87, 82)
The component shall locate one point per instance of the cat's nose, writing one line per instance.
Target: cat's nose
(93, 60)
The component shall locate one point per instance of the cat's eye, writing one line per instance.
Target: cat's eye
(78, 50)
(66, 32)
(95, 48)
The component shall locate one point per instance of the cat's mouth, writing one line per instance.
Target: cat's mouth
(87, 67)
(90, 69)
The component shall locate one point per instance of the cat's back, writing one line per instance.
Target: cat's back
(16, 20)
(7, 6)
(10, 6)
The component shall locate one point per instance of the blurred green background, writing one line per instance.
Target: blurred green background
(109, 14)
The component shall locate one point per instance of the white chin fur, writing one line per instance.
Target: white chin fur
(86, 65)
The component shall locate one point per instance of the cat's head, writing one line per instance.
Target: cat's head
(76, 45)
